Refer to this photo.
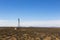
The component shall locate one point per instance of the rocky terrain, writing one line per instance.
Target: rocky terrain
(29, 33)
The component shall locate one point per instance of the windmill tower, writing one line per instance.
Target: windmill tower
(18, 22)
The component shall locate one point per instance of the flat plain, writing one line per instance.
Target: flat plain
(29, 33)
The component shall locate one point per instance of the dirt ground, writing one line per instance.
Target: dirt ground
(29, 33)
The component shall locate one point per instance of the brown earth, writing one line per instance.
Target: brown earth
(29, 33)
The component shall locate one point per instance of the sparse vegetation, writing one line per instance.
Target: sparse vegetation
(29, 33)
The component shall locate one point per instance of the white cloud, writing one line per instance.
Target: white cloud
(8, 23)
(50, 23)
(43, 23)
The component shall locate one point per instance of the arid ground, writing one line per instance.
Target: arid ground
(29, 33)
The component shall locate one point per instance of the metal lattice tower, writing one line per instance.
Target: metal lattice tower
(18, 22)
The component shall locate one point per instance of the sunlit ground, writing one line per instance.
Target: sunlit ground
(29, 33)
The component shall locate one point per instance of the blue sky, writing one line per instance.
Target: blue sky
(30, 10)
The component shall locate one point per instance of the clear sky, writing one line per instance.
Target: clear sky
(30, 10)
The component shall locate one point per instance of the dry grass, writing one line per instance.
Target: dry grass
(29, 33)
